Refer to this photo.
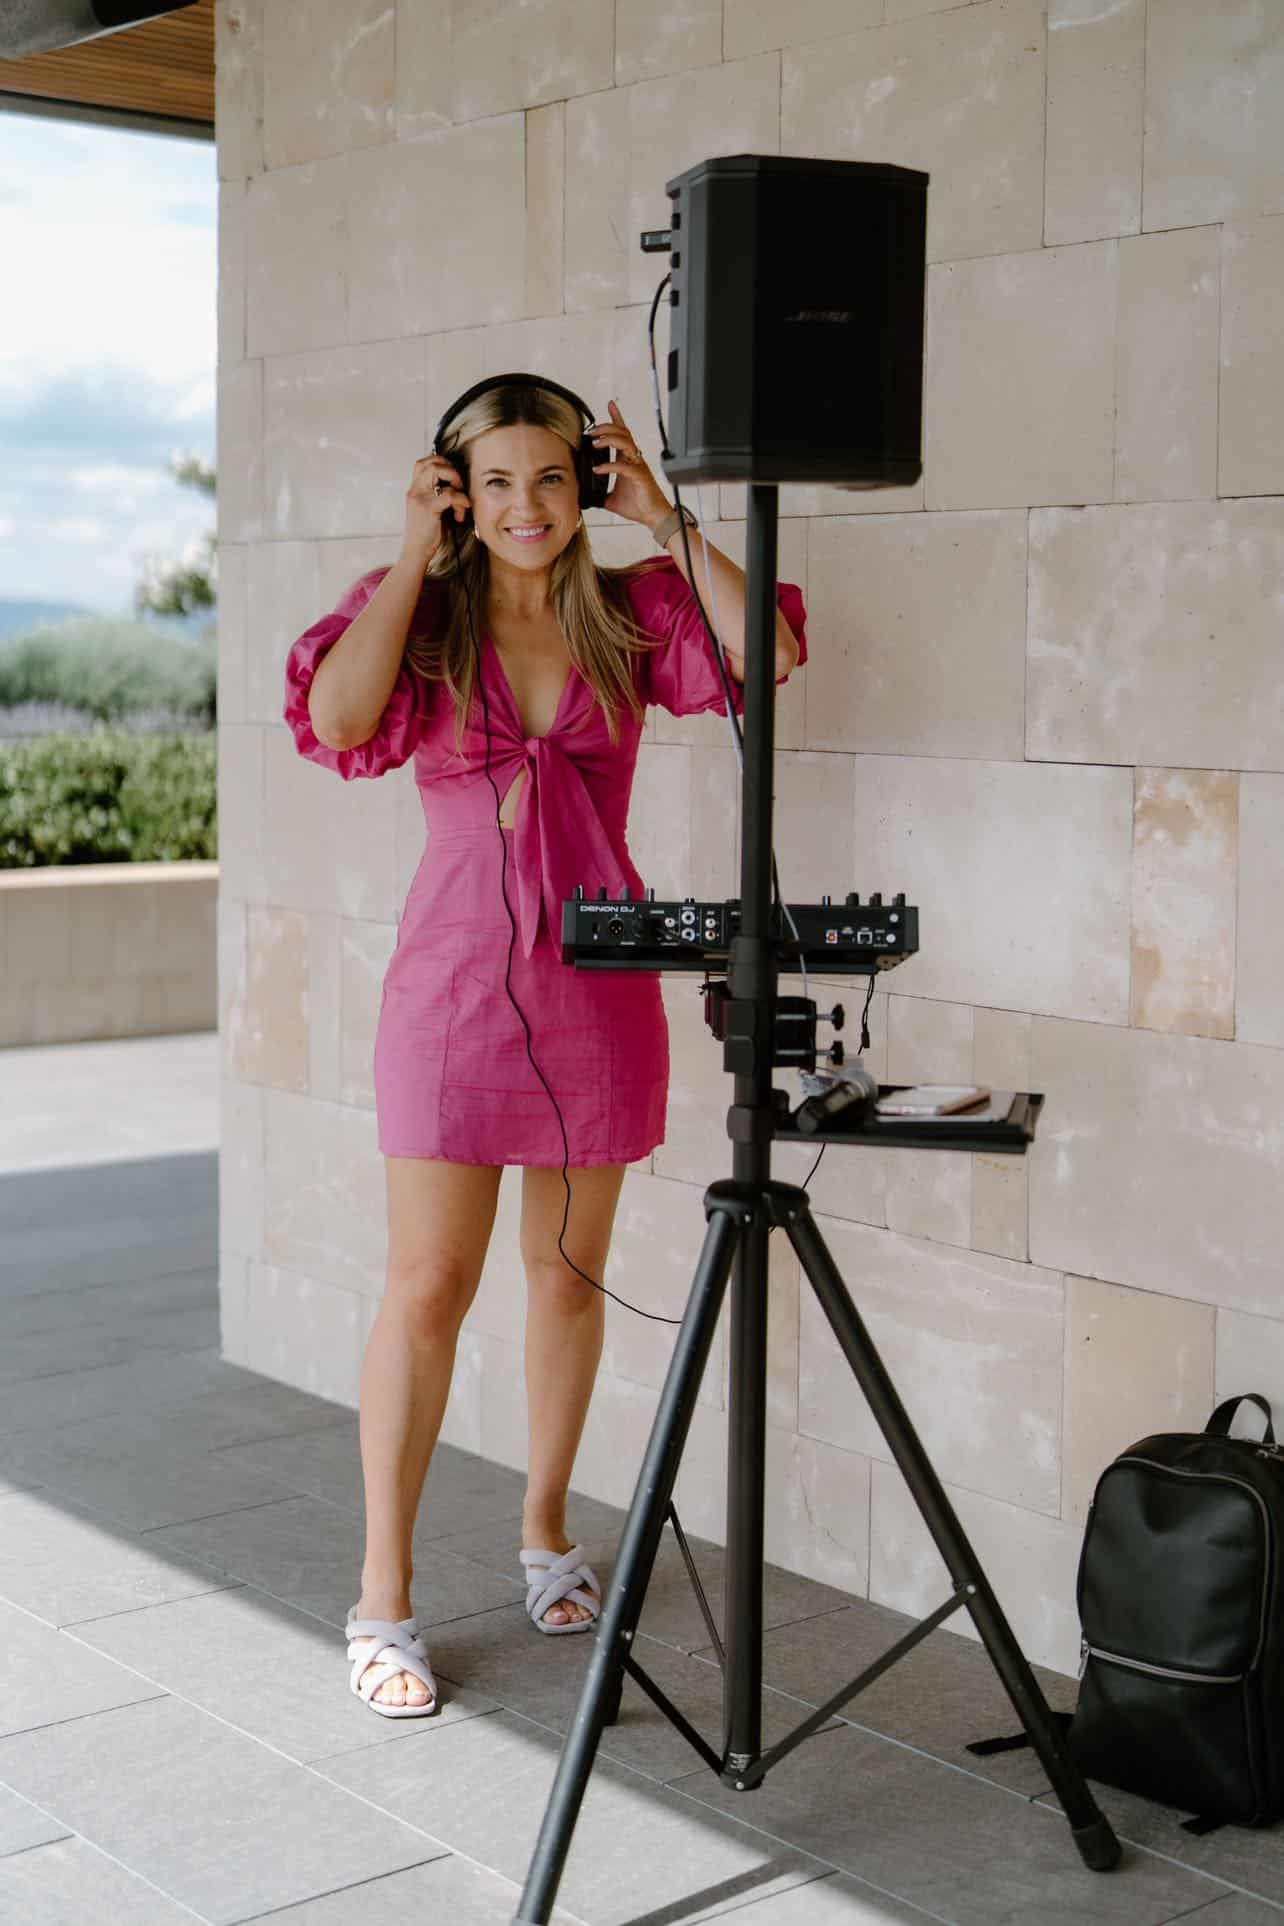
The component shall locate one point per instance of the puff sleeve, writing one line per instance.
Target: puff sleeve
(402, 722)
(680, 675)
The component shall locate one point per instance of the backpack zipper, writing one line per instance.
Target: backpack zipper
(1159, 1671)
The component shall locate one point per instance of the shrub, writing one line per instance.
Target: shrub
(108, 796)
(111, 668)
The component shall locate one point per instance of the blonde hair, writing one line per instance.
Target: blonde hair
(588, 600)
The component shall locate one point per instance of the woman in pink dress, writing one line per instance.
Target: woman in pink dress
(552, 691)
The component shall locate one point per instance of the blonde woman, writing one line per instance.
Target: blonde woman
(496, 636)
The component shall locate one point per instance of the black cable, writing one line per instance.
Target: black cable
(512, 938)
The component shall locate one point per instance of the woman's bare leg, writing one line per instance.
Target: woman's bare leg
(564, 1325)
(440, 1217)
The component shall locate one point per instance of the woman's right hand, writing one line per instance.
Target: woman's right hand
(436, 488)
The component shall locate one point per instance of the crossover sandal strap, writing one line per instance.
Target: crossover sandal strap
(553, 1579)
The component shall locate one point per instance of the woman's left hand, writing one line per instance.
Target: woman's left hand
(637, 495)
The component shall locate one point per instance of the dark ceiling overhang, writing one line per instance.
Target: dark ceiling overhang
(155, 77)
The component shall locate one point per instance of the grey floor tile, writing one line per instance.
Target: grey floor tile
(1236, 1910)
(501, 1654)
(1250, 1857)
(450, 1889)
(62, 1564)
(69, 1882)
(461, 1491)
(210, 1817)
(947, 1842)
(638, 1850)
(123, 1304)
(162, 1256)
(23, 1825)
(47, 1675)
(128, 1481)
(939, 1698)
(274, 1673)
(835, 1900)
(143, 1185)
(139, 1384)
(310, 1554)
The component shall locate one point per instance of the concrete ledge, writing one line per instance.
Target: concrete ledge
(92, 950)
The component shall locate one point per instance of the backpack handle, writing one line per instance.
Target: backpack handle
(1220, 1422)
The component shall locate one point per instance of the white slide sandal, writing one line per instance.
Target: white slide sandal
(399, 1648)
(553, 1576)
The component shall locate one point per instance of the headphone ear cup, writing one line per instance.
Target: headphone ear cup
(593, 488)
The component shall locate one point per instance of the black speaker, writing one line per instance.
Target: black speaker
(796, 323)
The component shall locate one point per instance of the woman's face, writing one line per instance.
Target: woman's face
(526, 505)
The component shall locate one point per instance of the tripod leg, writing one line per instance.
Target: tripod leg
(622, 1607)
(1091, 1829)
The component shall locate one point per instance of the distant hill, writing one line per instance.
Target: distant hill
(17, 617)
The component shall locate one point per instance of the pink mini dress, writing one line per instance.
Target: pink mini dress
(451, 1072)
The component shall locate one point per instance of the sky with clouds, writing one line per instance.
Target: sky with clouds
(107, 354)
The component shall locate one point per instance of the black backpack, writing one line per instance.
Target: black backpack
(1181, 1694)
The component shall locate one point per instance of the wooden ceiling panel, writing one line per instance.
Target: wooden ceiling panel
(163, 67)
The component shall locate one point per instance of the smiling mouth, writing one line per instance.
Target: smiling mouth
(529, 534)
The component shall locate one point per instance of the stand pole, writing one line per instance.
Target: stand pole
(740, 1216)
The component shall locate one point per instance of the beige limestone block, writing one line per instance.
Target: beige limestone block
(238, 88)
(1259, 992)
(654, 37)
(1250, 1357)
(1151, 638)
(813, 827)
(324, 1201)
(959, 95)
(505, 54)
(1214, 81)
(282, 599)
(414, 266)
(1251, 431)
(239, 514)
(545, 208)
(1184, 867)
(233, 1301)
(655, 1245)
(928, 1042)
(1166, 366)
(817, 1510)
(241, 1168)
(1096, 75)
(919, 630)
(972, 1343)
(461, 1423)
(1020, 872)
(325, 1004)
(503, 1405)
(621, 148)
(425, 78)
(232, 621)
(231, 273)
(576, 350)
(912, 9)
(1031, 1560)
(1020, 378)
(714, 870)
(756, 26)
(329, 89)
(364, 951)
(1158, 1162)
(1000, 1204)
(817, 498)
(244, 865)
(659, 824)
(1001, 1049)
(1136, 1362)
(274, 1043)
(298, 249)
(233, 970)
(342, 430)
(929, 1194)
(616, 1431)
(306, 1332)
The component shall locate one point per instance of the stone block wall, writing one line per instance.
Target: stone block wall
(1046, 699)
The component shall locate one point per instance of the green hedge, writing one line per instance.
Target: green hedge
(107, 796)
(109, 668)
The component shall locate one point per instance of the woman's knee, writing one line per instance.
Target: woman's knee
(432, 1299)
(558, 1289)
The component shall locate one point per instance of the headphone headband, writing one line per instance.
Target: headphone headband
(592, 487)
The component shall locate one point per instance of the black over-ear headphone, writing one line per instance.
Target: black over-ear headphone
(593, 488)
